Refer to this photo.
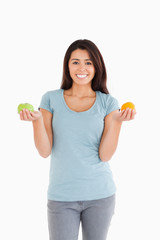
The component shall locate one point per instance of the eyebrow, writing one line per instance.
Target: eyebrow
(79, 59)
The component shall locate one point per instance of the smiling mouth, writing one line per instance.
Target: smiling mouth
(81, 76)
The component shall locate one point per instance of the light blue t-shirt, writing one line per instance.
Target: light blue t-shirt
(76, 170)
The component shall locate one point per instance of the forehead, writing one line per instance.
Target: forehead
(80, 54)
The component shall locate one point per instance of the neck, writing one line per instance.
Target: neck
(82, 91)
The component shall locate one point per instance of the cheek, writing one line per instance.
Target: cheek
(72, 68)
(93, 71)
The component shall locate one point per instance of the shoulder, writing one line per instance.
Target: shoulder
(51, 95)
(106, 98)
(49, 100)
(108, 102)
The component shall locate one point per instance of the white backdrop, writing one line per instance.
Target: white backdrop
(34, 38)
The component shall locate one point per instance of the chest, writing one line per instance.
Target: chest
(79, 105)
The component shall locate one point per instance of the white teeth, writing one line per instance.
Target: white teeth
(81, 76)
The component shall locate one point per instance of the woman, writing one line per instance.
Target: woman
(79, 125)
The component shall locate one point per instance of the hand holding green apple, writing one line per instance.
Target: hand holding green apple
(27, 112)
(26, 106)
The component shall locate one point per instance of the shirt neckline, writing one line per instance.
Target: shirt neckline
(95, 102)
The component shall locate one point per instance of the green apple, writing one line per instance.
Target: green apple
(26, 106)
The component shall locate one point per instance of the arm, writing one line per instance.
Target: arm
(110, 136)
(43, 135)
(42, 128)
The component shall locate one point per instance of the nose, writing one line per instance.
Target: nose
(82, 67)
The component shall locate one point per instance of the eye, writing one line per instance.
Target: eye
(75, 63)
(88, 63)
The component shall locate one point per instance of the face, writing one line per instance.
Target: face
(81, 67)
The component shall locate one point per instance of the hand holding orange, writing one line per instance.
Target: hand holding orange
(128, 105)
(127, 113)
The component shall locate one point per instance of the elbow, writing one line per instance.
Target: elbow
(45, 155)
(105, 158)
(44, 152)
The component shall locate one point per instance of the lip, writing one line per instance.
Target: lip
(83, 76)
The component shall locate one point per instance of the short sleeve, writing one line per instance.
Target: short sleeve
(46, 103)
(112, 104)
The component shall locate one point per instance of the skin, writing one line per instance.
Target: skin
(110, 136)
(79, 64)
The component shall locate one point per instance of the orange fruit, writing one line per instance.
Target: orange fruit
(128, 105)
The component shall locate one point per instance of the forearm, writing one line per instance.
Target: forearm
(109, 142)
(41, 139)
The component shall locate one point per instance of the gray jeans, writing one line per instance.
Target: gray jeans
(95, 216)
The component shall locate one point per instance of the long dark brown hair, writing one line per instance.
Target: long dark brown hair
(99, 82)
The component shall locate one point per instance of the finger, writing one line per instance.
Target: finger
(122, 113)
(24, 115)
(36, 115)
(132, 114)
(21, 115)
(28, 114)
(125, 114)
(128, 117)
